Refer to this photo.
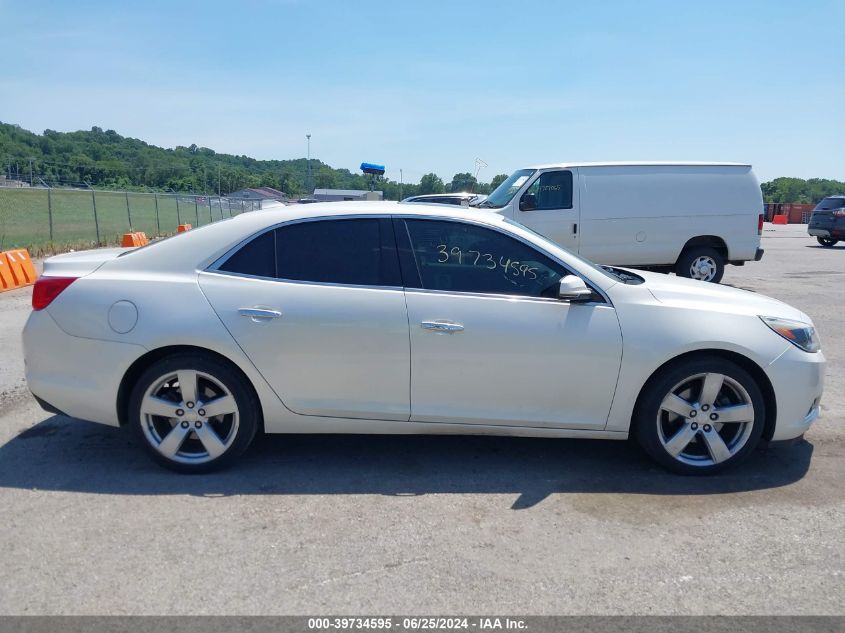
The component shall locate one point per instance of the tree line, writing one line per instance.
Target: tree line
(105, 159)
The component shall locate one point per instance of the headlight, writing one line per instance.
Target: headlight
(801, 335)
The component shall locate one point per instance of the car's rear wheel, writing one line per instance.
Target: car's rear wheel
(700, 416)
(702, 263)
(193, 413)
(827, 241)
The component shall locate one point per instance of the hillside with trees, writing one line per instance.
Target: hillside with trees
(106, 160)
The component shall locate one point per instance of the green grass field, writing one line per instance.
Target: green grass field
(25, 217)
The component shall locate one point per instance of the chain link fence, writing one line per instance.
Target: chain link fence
(47, 220)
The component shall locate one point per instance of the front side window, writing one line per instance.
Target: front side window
(459, 257)
(552, 190)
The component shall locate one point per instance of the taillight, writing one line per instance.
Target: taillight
(48, 288)
(760, 224)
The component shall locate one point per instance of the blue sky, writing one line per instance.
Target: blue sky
(430, 86)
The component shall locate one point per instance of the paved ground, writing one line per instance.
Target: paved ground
(428, 525)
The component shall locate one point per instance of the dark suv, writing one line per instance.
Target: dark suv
(827, 223)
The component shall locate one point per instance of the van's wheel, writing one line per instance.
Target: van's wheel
(193, 413)
(827, 241)
(700, 416)
(702, 263)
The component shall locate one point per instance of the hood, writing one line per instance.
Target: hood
(80, 263)
(692, 293)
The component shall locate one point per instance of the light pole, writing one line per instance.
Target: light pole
(308, 168)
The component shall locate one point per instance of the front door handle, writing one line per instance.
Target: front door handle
(259, 314)
(442, 326)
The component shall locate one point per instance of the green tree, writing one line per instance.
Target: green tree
(431, 183)
(463, 182)
(497, 180)
(325, 179)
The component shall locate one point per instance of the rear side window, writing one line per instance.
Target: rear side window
(828, 204)
(459, 257)
(355, 252)
(256, 258)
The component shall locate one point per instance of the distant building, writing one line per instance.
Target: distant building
(333, 195)
(259, 193)
(8, 182)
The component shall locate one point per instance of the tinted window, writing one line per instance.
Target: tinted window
(552, 190)
(469, 258)
(356, 252)
(257, 257)
(829, 204)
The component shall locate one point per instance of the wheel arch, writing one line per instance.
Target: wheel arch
(140, 365)
(746, 363)
(710, 241)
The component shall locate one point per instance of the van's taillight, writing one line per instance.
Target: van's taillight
(760, 219)
(48, 288)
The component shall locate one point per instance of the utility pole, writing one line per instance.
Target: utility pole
(309, 189)
(30, 171)
(218, 180)
(401, 183)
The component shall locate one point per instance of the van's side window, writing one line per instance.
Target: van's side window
(552, 190)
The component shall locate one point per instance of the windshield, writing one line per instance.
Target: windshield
(505, 192)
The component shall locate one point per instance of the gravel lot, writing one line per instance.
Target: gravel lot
(432, 525)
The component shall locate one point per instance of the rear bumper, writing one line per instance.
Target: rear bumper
(818, 232)
(758, 255)
(76, 376)
(798, 381)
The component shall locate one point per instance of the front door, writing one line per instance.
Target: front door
(490, 341)
(550, 206)
(319, 309)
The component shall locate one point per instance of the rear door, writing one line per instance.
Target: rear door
(550, 206)
(319, 309)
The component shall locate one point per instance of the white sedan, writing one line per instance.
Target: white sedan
(385, 318)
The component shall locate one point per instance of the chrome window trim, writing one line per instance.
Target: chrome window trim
(215, 266)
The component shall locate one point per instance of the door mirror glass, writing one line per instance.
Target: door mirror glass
(573, 288)
(528, 202)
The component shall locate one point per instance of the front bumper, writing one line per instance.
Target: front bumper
(798, 381)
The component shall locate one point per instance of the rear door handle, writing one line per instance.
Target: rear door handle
(442, 326)
(259, 314)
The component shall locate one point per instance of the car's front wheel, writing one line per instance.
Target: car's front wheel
(827, 241)
(193, 413)
(700, 416)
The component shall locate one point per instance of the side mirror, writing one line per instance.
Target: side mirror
(573, 288)
(528, 202)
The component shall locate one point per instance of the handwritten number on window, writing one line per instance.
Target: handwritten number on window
(515, 268)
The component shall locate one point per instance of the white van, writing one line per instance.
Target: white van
(692, 218)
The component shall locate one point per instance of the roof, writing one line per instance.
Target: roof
(641, 163)
(267, 192)
(457, 194)
(343, 192)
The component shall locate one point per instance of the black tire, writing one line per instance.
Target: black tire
(684, 265)
(827, 242)
(242, 424)
(648, 426)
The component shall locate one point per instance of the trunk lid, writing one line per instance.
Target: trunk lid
(79, 263)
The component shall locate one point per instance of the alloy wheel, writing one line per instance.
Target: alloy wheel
(189, 417)
(705, 419)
